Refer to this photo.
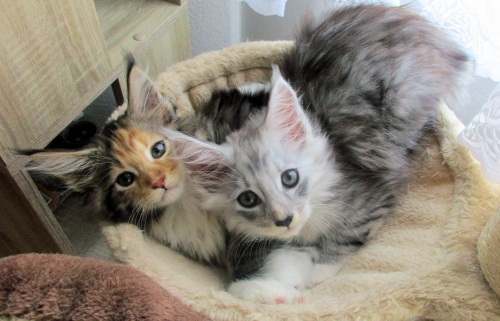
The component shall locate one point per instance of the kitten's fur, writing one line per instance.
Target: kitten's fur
(161, 199)
(307, 181)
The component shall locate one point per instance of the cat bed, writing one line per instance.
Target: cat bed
(63, 287)
(437, 257)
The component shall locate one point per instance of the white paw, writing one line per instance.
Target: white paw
(289, 267)
(265, 291)
(322, 272)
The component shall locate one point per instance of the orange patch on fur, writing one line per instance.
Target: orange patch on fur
(131, 148)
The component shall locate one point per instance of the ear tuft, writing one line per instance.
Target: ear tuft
(143, 94)
(205, 162)
(285, 116)
(76, 168)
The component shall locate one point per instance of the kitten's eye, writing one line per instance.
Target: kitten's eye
(158, 149)
(125, 179)
(248, 199)
(290, 178)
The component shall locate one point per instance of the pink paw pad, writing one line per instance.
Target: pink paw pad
(279, 301)
(300, 300)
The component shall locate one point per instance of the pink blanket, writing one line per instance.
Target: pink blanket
(61, 287)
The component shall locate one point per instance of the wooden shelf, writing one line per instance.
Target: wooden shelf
(52, 56)
(57, 57)
(122, 20)
(161, 24)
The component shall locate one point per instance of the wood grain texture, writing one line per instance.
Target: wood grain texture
(44, 215)
(177, 2)
(22, 229)
(56, 57)
(121, 20)
(31, 122)
(171, 44)
(52, 53)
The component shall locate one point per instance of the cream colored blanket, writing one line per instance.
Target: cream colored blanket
(424, 262)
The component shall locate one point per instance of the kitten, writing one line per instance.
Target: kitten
(132, 173)
(307, 181)
(225, 112)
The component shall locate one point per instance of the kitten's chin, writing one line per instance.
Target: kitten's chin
(169, 195)
(290, 232)
(281, 232)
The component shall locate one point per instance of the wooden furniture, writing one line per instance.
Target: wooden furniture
(56, 57)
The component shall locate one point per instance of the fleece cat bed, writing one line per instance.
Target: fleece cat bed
(63, 287)
(437, 257)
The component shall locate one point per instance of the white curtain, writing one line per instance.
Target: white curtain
(277, 7)
(482, 137)
(267, 7)
(352, 2)
(475, 24)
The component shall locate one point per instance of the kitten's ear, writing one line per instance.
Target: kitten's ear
(285, 116)
(75, 168)
(206, 163)
(143, 94)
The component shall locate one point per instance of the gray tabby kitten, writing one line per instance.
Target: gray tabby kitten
(308, 180)
(226, 111)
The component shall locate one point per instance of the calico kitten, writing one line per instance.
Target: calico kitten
(307, 181)
(132, 174)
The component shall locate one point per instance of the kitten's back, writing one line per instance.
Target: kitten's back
(387, 70)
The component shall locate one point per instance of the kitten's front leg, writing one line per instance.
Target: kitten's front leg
(286, 272)
(289, 287)
(265, 290)
(323, 272)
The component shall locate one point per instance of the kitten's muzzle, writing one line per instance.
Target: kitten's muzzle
(286, 222)
(160, 183)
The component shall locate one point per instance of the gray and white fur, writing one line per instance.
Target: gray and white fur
(309, 179)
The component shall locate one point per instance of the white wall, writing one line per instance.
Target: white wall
(214, 24)
(257, 27)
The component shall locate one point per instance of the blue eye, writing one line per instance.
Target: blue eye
(158, 149)
(248, 199)
(125, 179)
(290, 178)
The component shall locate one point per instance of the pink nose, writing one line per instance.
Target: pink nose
(160, 183)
